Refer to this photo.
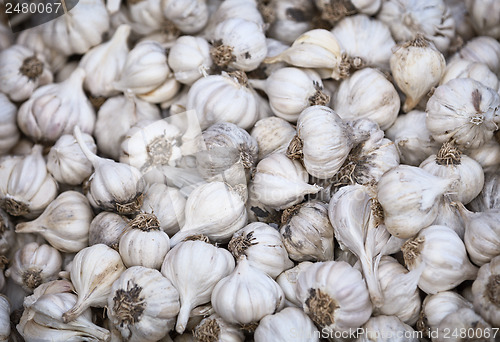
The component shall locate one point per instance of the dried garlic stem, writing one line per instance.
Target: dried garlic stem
(14, 207)
(221, 54)
(319, 98)
(337, 9)
(128, 305)
(131, 207)
(32, 278)
(448, 154)
(145, 222)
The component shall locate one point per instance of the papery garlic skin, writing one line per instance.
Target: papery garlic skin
(189, 16)
(7, 235)
(463, 68)
(217, 329)
(288, 281)
(147, 16)
(4, 318)
(272, 134)
(488, 156)
(377, 328)
(189, 59)
(22, 71)
(463, 110)
(464, 319)
(485, 292)
(286, 325)
(488, 197)
(141, 302)
(482, 49)
(107, 228)
(9, 133)
(483, 19)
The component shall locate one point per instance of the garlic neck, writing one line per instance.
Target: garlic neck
(222, 54)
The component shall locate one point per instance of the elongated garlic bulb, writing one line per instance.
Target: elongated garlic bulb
(189, 59)
(9, 133)
(485, 291)
(214, 328)
(286, 325)
(107, 228)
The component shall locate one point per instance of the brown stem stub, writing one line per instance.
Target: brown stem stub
(14, 207)
(250, 327)
(288, 213)
(411, 250)
(222, 54)
(318, 98)
(266, 9)
(32, 68)
(448, 154)
(377, 211)
(130, 207)
(419, 41)
(337, 9)
(145, 222)
(199, 237)
(294, 150)
(493, 289)
(422, 325)
(321, 307)
(32, 278)
(128, 305)
(238, 245)
(240, 77)
(209, 331)
(159, 152)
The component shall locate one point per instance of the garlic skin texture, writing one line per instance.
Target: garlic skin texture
(407, 63)
(367, 94)
(66, 161)
(377, 328)
(334, 295)
(445, 258)
(93, 271)
(483, 20)
(482, 49)
(4, 318)
(9, 133)
(285, 326)
(463, 68)
(34, 265)
(485, 292)
(488, 156)
(22, 71)
(146, 16)
(140, 304)
(463, 320)
(189, 59)
(465, 111)
(189, 16)
(65, 223)
(288, 281)
(7, 236)
(26, 188)
(209, 263)
(262, 246)
(273, 135)
(104, 63)
(214, 328)
(488, 197)
(289, 19)
(280, 182)
(107, 228)
(246, 295)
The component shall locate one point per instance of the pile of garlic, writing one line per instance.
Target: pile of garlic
(252, 170)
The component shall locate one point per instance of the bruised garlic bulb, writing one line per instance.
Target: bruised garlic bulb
(443, 253)
(463, 68)
(34, 265)
(189, 59)
(272, 134)
(465, 111)
(280, 182)
(189, 16)
(287, 325)
(9, 133)
(485, 291)
(22, 71)
(208, 264)
(407, 63)
(215, 329)
(55, 109)
(483, 17)
(26, 188)
(246, 295)
(464, 320)
(66, 161)
(65, 223)
(482, 49)
(140, 304)
(387, 328)
(93, 271)
(107, 228)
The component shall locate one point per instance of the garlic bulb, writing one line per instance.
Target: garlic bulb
(387, 328)
(65, 223)
(288, 19)
(412, 138)
(144, 243)
(469, 325)
(224, 98)
(214, 328)
(465, 111)
(281, 182)
(113, 186)
(367, 94)
(334, 296)
(107, 228)
(66, 161)
(307, 233)
(287, 325)
(449, 162)
(449, 215)
(104, 63)
(238, 44)
(408, 196)
(272, 134)
(4, 318)
(262, 246)
(119, 114)
(407, 18)
(22, 71)
(216, 210)
(288, 281)
(141, 302)
(209, 264)
(483, 20)
(34, 265)
(367, 42)
(26, 188)
(147, 16)
(9, 133)
(7, 235)
(189, 59)
(482, 49)
(189, 16)
(463, 68)
(164, 92)
(443, 253)
(488, 197)
(407, 63)
(55, 109)
(315, 49)
(168, 204)
(246, 295)
(488, 156)
(291, 90)
(5, 36)
(93, 271)
(485, 292)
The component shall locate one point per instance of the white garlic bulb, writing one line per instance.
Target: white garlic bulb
(463, 68)
(445, 258)
(147, 16)
(141, 302)
(215, 329)
(209, 264)
(66, 161)
(488, 156)
(287, 325)
(246, 295)
(164, 92)
(482, 49)
(272, 134)
(93, 272)
(4, 318)
(189, 59)
(488, 197)
(26, 188)
(107, 228)
(22, 71)
(288, 19)
(465, 111)
(104, 63)
(262, 246)
(334, 295)
(189, 16)
(113, 186)
(280, 182)
(407, 63)
(65, 223)
(483, 17)
(469, 325)
(288, 281)
(449, 215)
(55, 109)
(6, 38)
(367, 94)
(9, 133)
(34, 264)
(385, 329)
(485, 292)
(7, 235)
(144, 243)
